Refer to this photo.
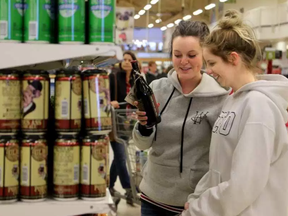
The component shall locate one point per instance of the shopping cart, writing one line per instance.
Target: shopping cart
(123, 121)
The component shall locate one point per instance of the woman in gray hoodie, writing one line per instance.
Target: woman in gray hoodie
(190, 103)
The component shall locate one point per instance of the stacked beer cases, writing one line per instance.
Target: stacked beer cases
(32, 89)
(97, 125)
(34, 126)
(88, 166)
(10, 118)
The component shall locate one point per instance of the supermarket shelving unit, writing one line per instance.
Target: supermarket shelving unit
(49, 57)
(58, 208)
(53, 56)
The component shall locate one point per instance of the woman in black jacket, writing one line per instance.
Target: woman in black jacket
(120, 85)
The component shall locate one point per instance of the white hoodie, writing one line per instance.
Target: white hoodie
(248, 171)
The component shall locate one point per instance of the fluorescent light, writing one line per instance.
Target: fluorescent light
(154, 2)
(223, 0)
(158, 20)
(210, 6)
(197, 12)
(141, 12)
(170, 25)
(137, 16)
(187, 17)
(150, 25)
(163, 28)
(147, 7)
(177, 21)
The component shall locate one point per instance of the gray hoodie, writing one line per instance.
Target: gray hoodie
(179, 157)
(248, 174)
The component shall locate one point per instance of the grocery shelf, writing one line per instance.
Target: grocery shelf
(58, 208)
(53, 56)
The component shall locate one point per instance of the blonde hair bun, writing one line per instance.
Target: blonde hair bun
(231, 19)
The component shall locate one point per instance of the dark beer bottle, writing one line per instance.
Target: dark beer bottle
(145, 96)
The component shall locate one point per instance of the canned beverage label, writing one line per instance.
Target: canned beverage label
(35, 103)
(107, 143)
(66, 169)
(9, 170)
(71, 21)
(38, 20)
(34, 170)
(68, 103)
(11, 13)
(101, 20)
(93, 168)
(10, 103)
(96, 103)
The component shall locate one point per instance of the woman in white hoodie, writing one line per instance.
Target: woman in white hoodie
(248, 174)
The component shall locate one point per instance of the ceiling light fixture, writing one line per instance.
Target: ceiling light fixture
(210, 6)
(147, 7)
(197, 12)
(141, 12)
(187, 17)
(223, 0)
(170, 25)
(177, 21)
(154, 2)
(158, 20)
(137, 16)
(163, 28)
(150, 25)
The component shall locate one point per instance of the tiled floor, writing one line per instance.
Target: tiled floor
(125, 209)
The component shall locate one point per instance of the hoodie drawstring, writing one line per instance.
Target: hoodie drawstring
(166, 104)
(182, 136)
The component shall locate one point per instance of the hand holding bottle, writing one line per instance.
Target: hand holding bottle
(141, 115)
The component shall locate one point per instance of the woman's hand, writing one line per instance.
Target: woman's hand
(141, 116)
(186, 206)
(115, 104)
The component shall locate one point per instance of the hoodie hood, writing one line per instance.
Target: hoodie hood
(273, 86)
(208, 86)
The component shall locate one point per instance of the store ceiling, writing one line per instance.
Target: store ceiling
(170, 10)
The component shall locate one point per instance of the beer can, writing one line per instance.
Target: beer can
(11, 13)
(66, 168)
(107, 143)
(34, 152)
(97, 110)
(71, 21)
(38, 21)
(68, 101)
(10, 102)
(101, 21)
(35, 101)
(93, 167)
(9, 168)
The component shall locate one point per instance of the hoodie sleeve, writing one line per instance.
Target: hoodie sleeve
(249, 170)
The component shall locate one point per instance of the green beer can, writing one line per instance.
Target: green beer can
(11, 13)
(101, 21)
(71, 21)
(38, 21)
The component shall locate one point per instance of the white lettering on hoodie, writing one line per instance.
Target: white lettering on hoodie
(248, 174)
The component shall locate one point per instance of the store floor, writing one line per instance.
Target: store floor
(123, 208)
